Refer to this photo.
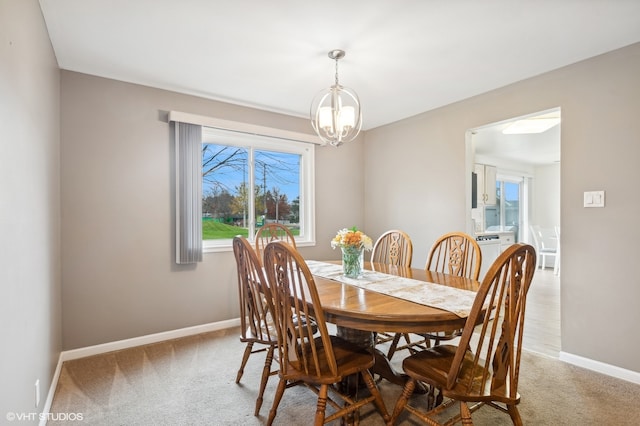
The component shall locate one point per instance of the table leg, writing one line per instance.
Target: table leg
(351, 384)
(382, 366)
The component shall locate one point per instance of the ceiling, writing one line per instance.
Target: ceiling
(403, 57)
(534, 149)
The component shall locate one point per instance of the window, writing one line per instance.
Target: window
(508, 209)
(248, 180)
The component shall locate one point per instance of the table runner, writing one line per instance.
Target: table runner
(455, 300)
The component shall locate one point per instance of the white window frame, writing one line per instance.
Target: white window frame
(267, 143)
(274, 139)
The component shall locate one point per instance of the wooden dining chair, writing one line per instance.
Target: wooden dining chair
(256, 312)
(272, 232)
(322, 362)
(543, 248)
(454, 253)
(393, 247)
(484, 367)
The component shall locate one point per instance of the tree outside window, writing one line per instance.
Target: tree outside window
(245, 186)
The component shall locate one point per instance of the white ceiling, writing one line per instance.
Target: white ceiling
(403, 57)
(494, 147)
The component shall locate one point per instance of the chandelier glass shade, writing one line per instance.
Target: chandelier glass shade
(335, 112)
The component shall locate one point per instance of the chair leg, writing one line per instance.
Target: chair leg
(322, 405)
(407, 391)
(465, 414)
(245, 357)
(409, 344)
(515, 415)
(373, 389)
(394, 345)
(396, 341)
(266, 372)
(276, 401)
(433, 399)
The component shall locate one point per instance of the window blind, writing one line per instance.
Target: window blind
(188, 193)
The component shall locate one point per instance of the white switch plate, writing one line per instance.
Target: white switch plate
(594, 199)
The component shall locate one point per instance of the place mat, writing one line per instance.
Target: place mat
(454, 300)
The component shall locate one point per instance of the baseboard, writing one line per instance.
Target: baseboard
(601, 367)
(46, 408)
(148, 339)
(125, 344)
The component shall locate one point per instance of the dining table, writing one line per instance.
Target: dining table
(395, 299)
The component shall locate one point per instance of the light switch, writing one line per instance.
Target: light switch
(594, 199)
(597, 198)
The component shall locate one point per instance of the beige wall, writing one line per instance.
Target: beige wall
(119, 274)
(546, 196)
(30, 325)
(423, 186)
(415, 179)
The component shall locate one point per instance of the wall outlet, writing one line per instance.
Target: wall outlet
(37, 393)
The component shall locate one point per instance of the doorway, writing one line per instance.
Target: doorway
(527, 185)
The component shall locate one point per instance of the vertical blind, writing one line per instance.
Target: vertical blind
(188, 193)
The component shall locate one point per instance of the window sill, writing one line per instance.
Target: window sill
(229, 247)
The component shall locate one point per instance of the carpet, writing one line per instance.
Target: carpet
(191, 381)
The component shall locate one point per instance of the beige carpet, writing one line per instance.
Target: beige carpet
(191, 381)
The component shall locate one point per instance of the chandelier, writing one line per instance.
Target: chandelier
(335, 112)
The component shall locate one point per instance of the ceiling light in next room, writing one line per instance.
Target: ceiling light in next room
(531, 125)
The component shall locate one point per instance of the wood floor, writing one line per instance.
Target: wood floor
(542, 318)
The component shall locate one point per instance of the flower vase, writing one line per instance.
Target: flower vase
(352, 260)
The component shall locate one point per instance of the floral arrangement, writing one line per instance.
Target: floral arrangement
(351, 238)
(353, 244)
